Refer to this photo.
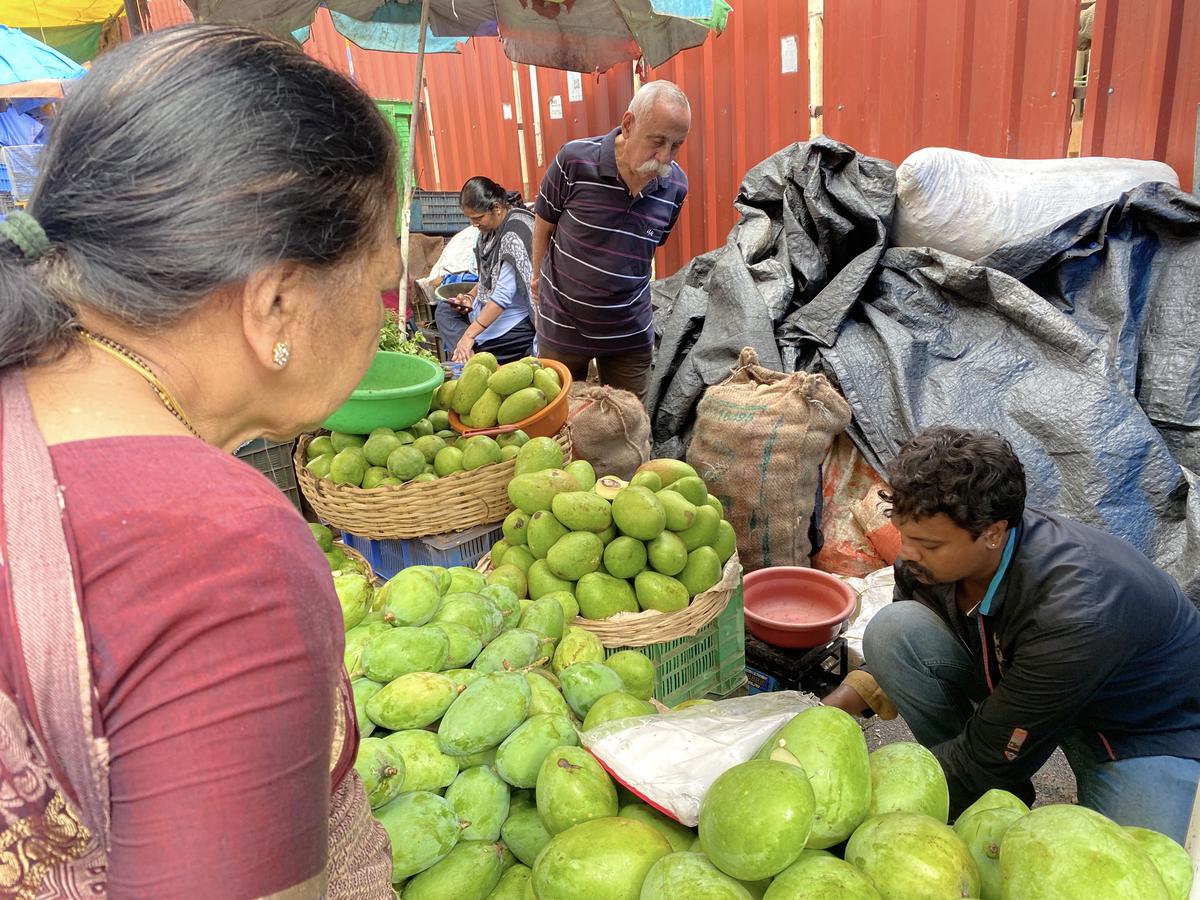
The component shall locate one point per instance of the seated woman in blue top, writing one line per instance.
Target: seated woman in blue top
(496, 315)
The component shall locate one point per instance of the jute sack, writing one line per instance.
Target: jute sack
(759, 439)
(609, 428)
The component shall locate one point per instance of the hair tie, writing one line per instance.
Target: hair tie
(23, 231)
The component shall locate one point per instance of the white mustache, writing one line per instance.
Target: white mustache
(650, 167)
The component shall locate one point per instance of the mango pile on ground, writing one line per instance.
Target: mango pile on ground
(653, 543)
(471, 701)
(486, 395)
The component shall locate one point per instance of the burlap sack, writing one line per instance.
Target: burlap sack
(760, 437)
(609, 428)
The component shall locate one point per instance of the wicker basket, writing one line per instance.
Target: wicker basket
(391, 512)
(650, 627)
(358, 559)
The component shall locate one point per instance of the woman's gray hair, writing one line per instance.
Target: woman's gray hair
(185, 161)
(653, 92)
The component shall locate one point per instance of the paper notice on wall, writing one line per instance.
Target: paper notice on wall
(790, 53)
(574, 87)
(507, 110)
(556, 106)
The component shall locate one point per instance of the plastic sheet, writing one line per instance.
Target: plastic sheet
(670, 760)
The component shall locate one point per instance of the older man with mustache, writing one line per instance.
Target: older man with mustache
(605, 206)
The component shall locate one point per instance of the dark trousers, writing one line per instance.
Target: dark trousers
(626, 371)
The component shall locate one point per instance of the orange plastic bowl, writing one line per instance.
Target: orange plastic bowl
(544, 423)
(794, 606)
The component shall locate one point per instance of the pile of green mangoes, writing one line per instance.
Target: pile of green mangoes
(653, 543)
(487, 394)
(418, 453)
(471, 701)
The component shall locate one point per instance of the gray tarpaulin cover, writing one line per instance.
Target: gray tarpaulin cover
(1080, 344)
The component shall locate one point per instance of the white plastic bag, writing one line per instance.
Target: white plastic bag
(970, 205)
(670, 760)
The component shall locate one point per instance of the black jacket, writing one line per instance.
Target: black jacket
(1083, 633)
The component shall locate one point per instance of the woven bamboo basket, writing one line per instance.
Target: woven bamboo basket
(392, 512)
(651, 627)
(358, 559)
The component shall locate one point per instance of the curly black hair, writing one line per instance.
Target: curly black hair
(973, 477)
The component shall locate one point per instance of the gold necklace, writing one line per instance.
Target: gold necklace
(132, 360)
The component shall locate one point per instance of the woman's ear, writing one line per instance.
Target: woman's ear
(272, 300)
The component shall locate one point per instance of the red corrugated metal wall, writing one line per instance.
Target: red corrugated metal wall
(994, 78)
(747, 102)
(1144, 82)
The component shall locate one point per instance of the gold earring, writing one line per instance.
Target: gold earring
(281, 353)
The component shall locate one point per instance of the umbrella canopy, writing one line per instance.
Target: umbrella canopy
(577, 35)
(76, 28)
(24, 59)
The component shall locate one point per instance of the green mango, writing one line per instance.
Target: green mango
(605, 859)
(511, 577)
(362, 690)
(475, 611)
(487, 360)
(681, 513)
(535, 491)
(601, 596)
(546, 381)
(578, 645)
(583, 473)
(515, 438)
(702, 572)
(319, 446)
(340, 440)
(348, 467)
(582, 510)
(704, 530)
(354, 594)
(911, 855)
(470, 387)
(464, 644)
(690, 875)
(817, 875)
(402, 650)
(586, 682)
(487, 712)
(520, 757)
(322, 535)
(469, 872)
(381, 768)
(524, 832)
(521, 557)
(625, 557)
(422, 829)
(510, 378)
(426, 767)
(647, 479)
(465, 580)
(513, 883)
(639, 513)
(543, 532)
(521, 405)
(412, 701)
(983, 831)
(726, 541)
(570, 606)
(680, 837)
(537, 454)
(480, 798)
(636, 671)
(575, 555)
(507, 601)
(614, 706)
(906, 777)
(410, 598)
(544, 697)
(573, 788)
(510, 651)
(462, 677)
(692, 488)
(481, 450)
(514, 527)
(319, 467)
(545, 618)
(357, 638)
(542, 581)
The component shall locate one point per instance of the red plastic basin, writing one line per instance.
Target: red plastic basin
(794, 606)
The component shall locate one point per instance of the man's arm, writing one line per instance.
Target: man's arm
(542, 232)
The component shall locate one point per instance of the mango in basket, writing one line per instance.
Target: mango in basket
(703, 570)
(421, 428)
(412, 701)
(422, 829)
(577, 645)
(355, 595)
(348, 467)
(319, 446)
(583, 473)
(322, 535)
(546, 381)
(639, 513)
(667, 553)
(403, 650)
(570, 606)
(704, 528)
(480, 451)
(448, 461)
(487, 712)
(524, 832)
(521, 405)
(545, 617)
(429, 445)
(319, 466)
(380, 445)
(582, 510)
(636, 671)
(509, 452)
(481, 799)
(520, 757)
(521, 558)
(510, 378)
(537, 454)
(340, 440)
(601, 596)
(660, 592)
(574, 555)
(573, 788)
(535, 491)
(668, 470)
(542, 581)
(543, 532)
(617, 705)
(381, 768)
(511, 577)
(444, 397)
(517, 438)
(464, 578)
(374, 477)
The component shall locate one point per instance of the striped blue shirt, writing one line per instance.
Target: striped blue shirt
(594, 292)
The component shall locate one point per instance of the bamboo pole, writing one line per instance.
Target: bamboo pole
(410, 163)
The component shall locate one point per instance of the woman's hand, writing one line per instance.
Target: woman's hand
(463, 349)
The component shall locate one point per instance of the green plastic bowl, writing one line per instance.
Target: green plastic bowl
(396, 391)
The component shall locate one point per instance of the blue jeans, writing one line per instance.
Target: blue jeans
(934, 683)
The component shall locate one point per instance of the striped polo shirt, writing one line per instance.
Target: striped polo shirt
(594, 292)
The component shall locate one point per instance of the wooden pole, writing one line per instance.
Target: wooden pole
(133, 14)
(410, 163)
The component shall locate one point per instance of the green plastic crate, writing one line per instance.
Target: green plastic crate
(711, 662)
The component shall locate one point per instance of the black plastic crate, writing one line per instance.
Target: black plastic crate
(274, 460)
(437, 212)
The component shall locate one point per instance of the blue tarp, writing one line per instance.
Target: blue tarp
(23, 58)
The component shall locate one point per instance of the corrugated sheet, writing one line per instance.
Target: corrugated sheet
(168, 13)
(745, 106)
(991, 77)
(1144, 82)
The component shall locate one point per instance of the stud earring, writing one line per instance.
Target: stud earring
(281, 353)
